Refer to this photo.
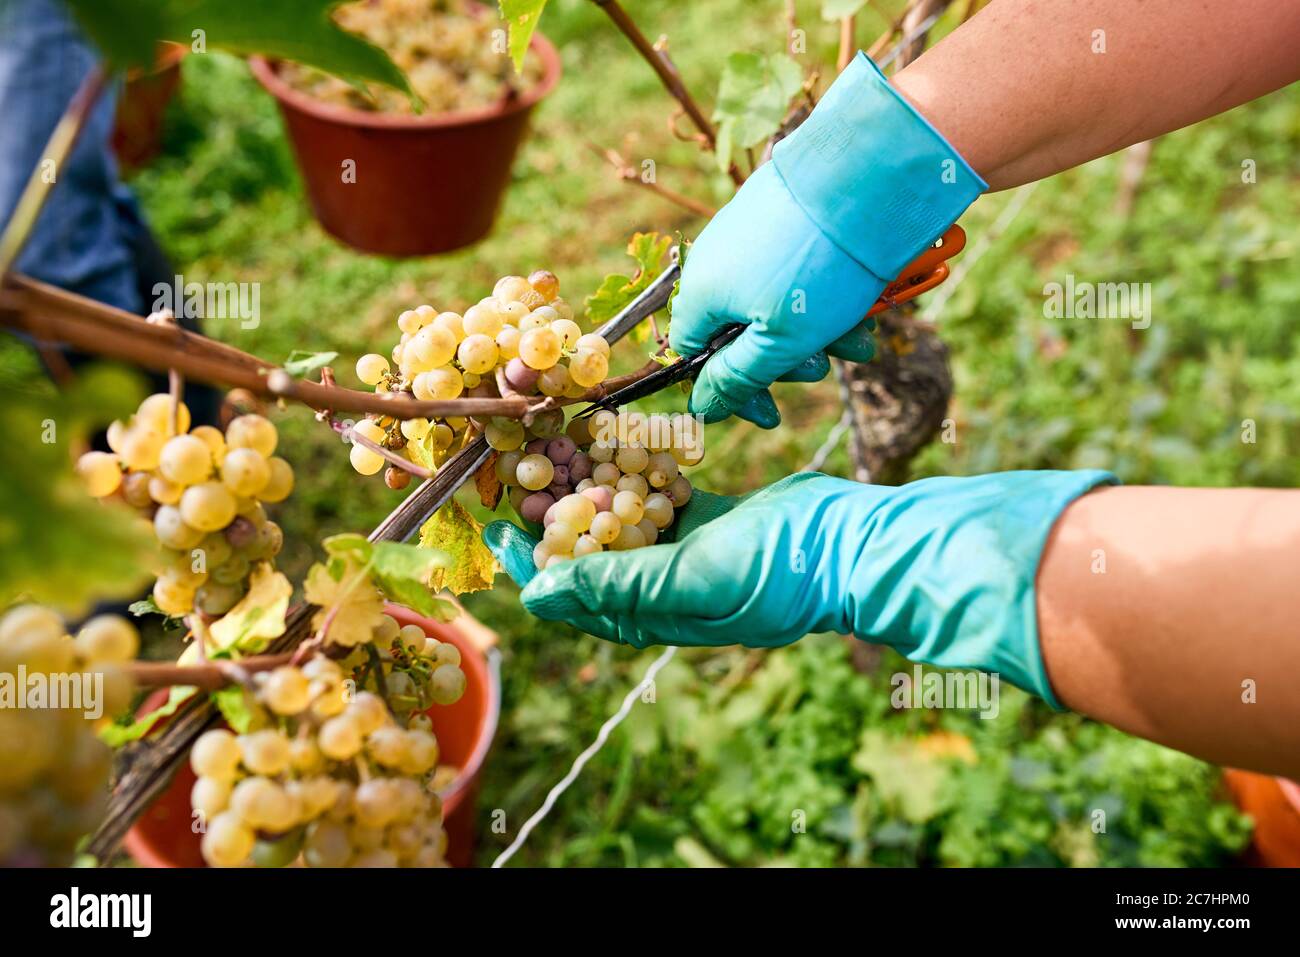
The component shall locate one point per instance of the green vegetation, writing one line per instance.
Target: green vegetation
(738, 741)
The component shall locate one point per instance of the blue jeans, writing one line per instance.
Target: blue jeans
(83, 239)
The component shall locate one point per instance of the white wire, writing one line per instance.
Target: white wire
(832, 441)
(581, 760)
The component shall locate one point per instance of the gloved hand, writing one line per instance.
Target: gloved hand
(942, 570)
(811, 240)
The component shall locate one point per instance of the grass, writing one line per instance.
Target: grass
(738, 738)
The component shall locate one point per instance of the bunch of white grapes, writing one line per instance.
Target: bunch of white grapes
(524, 331)
(203, 491)
(453, 58)
(331, 778)
(612, 481)
(53, 768)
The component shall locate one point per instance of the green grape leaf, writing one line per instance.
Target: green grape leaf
(455, 532)
(401, 572)
(58, 546)
(115, 735)
(127, 32)
(257, 617)
(839, 9)
(521, 16)
(237, 707)
(302, 363)
(754, 97)
(615, 292)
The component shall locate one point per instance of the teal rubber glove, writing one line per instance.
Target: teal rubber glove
(942, 570)
(810, 241)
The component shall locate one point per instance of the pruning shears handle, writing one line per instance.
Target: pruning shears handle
(924, 272)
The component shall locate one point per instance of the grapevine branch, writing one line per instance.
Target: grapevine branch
(51, 314)
(626, 172)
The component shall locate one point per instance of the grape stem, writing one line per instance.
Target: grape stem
(208, 676)
(401, 461)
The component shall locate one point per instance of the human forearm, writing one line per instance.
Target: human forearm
(1174, 614)
(1023, 92)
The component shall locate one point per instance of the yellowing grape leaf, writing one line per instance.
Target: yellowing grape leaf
(348, 599)
(259, 615)
(615, 292)
(116, 735)
(401, 572)
(454, 530)
(521, 16)
(754, 96)
(302, 363)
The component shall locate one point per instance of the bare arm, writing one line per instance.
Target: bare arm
(1023, 91)
(1164, 611)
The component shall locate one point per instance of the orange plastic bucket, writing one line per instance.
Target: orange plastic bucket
(164, 836)
(1274, 805)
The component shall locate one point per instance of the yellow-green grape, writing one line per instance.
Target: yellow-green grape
(629, 537)
(155, 414)
(252, 432)
(213, 439)
(537, 319)
(442, 437)
(602, 454)
(421, 750)
(244, 471)
(164, 492)
(553, 381)
(141, 448)
(264, 752)
(649, 531)
(279, 481)
(483, 320)
(262, 805)
(504, 435)
(628, 507)
(532, 299)
(101, 473)
(592, 343)
(444, 383)
(445, 653)
(560, 537)
(539, 348)
(210, 797)
(514, 312)
(452, 322)
(228, 841)
(585, 545)
(566, 329)
(208, 506)
(661, 470)
(446, 684)
(286, 691)
(108, 638)
(507, 463)
(477, 353)
(633, 483)
(576, 511)
(30, 620)
(631, 459)
(409, 322)
(365, 461)
(563, 308)
(368, 711)
(472, 379)
(339, 738)
(508, 342)
(432, 346)
(588, 368)
(387, 746)
(135, 489)
(115, 433)
(659, 509)
(511, 288)
(415, 429)
(605, 527)
(185, 460)
(535, 472)
(326, 845)
(679, 491)
(216, 755)
(413, 637)
(545, 282)
(172, 530)
(606, 473)
(371, 368)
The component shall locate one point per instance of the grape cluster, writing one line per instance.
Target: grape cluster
(53, 768)
(451, 57)
(203, 491)
(524, 331)
(612, 481)
(332, 777)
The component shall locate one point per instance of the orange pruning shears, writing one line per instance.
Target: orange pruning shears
(920, 275)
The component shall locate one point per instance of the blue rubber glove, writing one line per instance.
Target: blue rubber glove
(942, 570)
(810, 241)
